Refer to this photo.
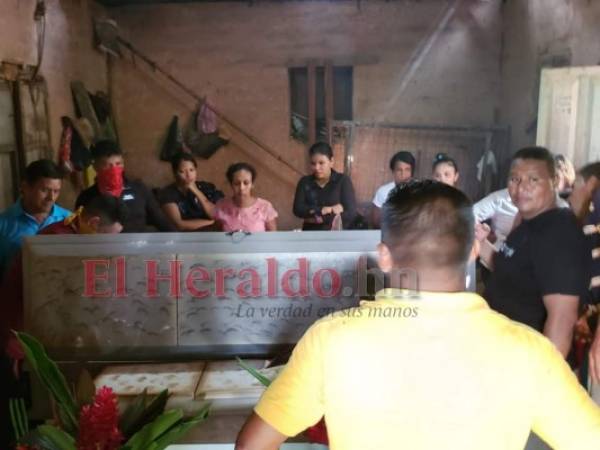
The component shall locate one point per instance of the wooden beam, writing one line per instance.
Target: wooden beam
(312, 103)
(329, 105)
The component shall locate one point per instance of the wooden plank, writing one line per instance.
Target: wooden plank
(312, 103)
(35, 125)
(84, 104)
(329, 93)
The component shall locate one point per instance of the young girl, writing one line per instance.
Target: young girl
(445, 169)
(244, 211)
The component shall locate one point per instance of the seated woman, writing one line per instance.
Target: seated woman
(324, 194)
(244, 211)
(188, 203)
(445, 169)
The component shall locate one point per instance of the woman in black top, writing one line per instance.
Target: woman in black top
(188, 203)
(325, 193)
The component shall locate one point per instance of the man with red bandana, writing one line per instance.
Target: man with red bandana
(143, 210)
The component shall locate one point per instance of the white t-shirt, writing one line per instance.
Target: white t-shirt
(499, 207)
(382, 194)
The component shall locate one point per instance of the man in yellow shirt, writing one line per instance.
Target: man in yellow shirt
(428, 369)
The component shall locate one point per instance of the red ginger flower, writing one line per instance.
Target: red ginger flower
(99, 423)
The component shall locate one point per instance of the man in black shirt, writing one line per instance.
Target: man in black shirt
(542, 270)
(142, 207)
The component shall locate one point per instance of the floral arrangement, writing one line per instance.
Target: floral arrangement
(90, 420)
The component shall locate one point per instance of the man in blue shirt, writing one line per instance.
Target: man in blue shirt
(34, 210)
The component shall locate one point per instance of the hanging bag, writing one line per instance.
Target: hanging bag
(202, 135)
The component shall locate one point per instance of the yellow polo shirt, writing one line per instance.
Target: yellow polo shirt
(441, 371)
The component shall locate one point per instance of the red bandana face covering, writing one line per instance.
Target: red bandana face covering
(110, 181)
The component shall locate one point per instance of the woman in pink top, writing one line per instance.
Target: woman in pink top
(244, 211)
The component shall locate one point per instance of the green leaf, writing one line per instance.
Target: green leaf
(85, 390)
(52, 378)
(255, 373)
(143, 439)
(62, 440)
(132, 413)
(174, 434)
(18, 417)
(23, 413)
(178, 431)
(147, 415)
(36, 440)
(15, 420)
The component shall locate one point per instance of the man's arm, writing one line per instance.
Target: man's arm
(256, 434)
(293, 401)
(561, 319)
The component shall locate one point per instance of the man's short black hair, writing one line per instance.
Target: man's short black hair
(405, 157)
(105, 149)
(321, 148)
(110, 209)
(42, 168)
(428, 224)
(538, 154)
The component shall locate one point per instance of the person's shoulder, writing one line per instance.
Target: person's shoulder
(263, 203)
(224, 203)
(92, 190)
(10, 212)
(60, 212)
(85, 195)
(326, 326)
(136, 184)
(305, 180)
(516, 335)
(557, 221)
(266, 208)
(169, 187)
(167, 193)
(385, 188)
(8, 217)
(494, 197)
(210, 190)
(338, 176)
(206, 185)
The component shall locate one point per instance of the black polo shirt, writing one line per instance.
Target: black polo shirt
(310, 198)
(142, 207)
(188, 204)
(544, 255)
